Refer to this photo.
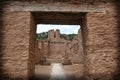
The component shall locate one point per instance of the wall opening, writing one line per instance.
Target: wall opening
(60, 50)
(64, 30)
(55, 54)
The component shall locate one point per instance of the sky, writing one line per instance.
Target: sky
(64, 29)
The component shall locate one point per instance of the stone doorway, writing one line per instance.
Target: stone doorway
(100, 30)
(70, 68)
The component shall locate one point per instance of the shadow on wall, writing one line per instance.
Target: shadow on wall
(117, 73)
(2, 75)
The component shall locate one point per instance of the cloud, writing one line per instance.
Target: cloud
(64, 29)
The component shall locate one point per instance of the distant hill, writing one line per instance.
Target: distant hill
(69, 37)
(44, 36)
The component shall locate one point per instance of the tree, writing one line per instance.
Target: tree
(42, 36)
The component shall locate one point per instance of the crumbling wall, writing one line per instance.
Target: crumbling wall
(37, 52)
(72, 51)
(101, 43)
(60, 50)
(51, 34)
(56, 51)
(44, 50)
(57, 34)
(80, 46)
(56, 47)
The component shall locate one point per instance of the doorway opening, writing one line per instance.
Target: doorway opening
(59, 55)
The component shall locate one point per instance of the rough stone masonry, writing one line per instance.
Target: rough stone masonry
(58, 50)
(100, 22)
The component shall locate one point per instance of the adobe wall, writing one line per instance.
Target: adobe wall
(37, 52)
(51, 34)
(16, 48)
(75, 49)
(32, 47)
(53, 49)
(44, 51)
(72, 51)
(56, 49)
(101, 43)
(80, 46)
(100, 40)
(57, 34)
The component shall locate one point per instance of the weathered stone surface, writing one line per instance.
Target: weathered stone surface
(37, 52)
(100, 33)
(51, 34)
(101, 43)
(57, 34)
(16, 43)
(56, 49)
(57, 7)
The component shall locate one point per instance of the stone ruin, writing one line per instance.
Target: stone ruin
(58, 50)
(100, 29)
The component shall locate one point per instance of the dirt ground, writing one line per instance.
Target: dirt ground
(57, 71)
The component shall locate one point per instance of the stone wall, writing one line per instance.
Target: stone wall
(15, 44)
(101, 43)
(100, 33)
(50, 34)
(18, 45)
(74, 49)
(53, 48)
(37, 52)
(80, 46)
(56, 49)
(57, 34)
(44, 50)
(32, 46)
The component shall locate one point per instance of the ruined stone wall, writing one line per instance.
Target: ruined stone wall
(44, 48)
(37, 53)
(80, 46)
(56, 47)
(40, 50)
(57, 34)
(51, 34)
(102, 43)
(72, 51)
(58, 50)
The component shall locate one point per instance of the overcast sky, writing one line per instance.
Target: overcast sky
(64, 29)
